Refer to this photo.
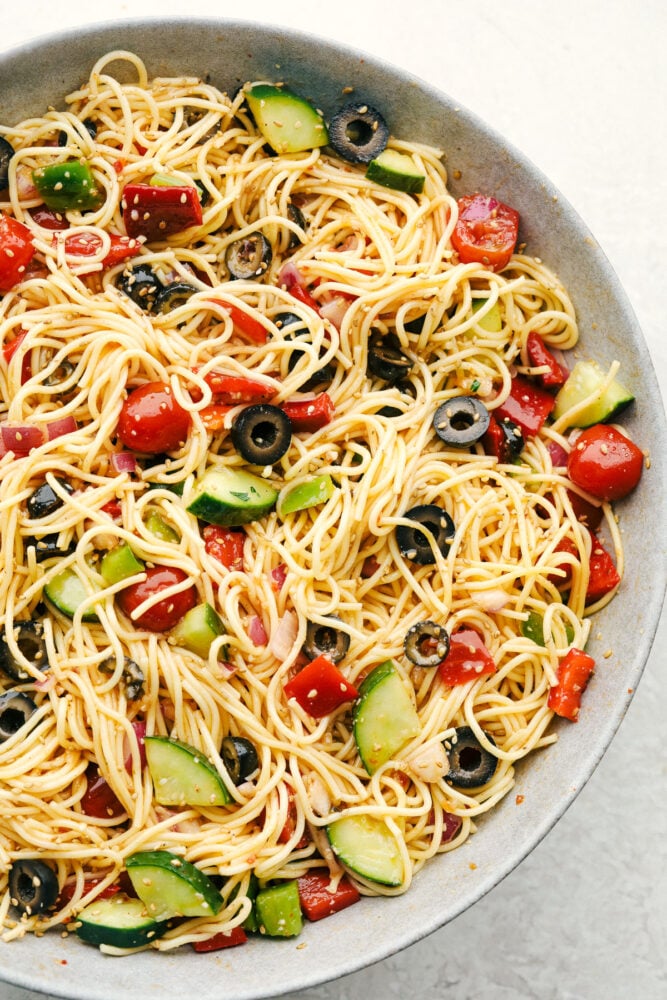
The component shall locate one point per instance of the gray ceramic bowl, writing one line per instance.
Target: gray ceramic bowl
(231, 52)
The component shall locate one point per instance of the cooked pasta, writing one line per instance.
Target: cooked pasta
(350, 260)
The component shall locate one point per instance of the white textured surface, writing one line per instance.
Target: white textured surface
(580, 86)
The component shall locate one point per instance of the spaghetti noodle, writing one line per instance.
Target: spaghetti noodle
(357, 259)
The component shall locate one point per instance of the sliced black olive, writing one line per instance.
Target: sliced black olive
(133, 676)
(44, 500)
(426, 644)
(414, 544)
(358, 133)
(239, 757)
(406, 388)
(415, 325)
(386, 359)
(29, 636)
(49, 546)
(513, 443)
(294, 214)
(325, 639)
(320, 378)
(60, 374)
(15, 710)
(171, 296)
(261, 433)
(90, 127)
(6, 153)
(248, 257)
(470, 764)
(33, 886)
(461, 421)
(141, 284)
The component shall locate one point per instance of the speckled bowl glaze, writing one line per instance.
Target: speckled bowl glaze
(40, 74)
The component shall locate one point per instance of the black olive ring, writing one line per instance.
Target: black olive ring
(386, 359)
(261, 433)
(172, 296)
(461, 421)
(426, 644)
(470, 764)
(239, 757)
(358, 133)
(15, 710)
(325, 639)
(33, 886)
(29, 636)
(414, 544)
(248, 257)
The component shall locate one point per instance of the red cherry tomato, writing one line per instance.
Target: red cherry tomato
(605, 463)
(16, 251)
(225, 544)
(165, 614)
(486, 231)
(152, 421)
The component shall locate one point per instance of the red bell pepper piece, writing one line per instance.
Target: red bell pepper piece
(242, 320)
(320, 688)
(157, 211)
(48, 219)
(225, 545)
(235, 389)
(87, 244)
(318, 900)
(539, 355)
(584, 511)
(289, 826)
(223, 939)
(603, 575)
(67, 891)
(16, 251)
(99, 799)
(527, 405)
(309, 414)
(213, 416)
(10, 349)
(467, 659)
(291, 279)
(574, 672)
(114, 509)
(503, 439)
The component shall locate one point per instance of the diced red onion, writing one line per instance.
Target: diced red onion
(491, 600)
(58, 428)
(139, 732)
(257, 632)
(290, 275)
(451, 825)
(557, 453)
(278, 576)
(124, 461)
(335, 310)
(21, 438)
(284, 635)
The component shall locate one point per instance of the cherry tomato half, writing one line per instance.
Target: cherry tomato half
(165, 614)
(152, 421)
(486, 231)
(605, 463)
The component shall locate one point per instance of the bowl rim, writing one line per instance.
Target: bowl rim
(39, 976)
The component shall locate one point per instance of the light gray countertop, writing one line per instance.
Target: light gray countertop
(580, 86)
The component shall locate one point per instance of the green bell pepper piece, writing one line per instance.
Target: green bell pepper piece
(68, 185)
(279, 910)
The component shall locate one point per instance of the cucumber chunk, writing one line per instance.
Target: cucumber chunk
(366, 846)
(232, 497)
(396, 170)
(492, 321)
(119, 563)
(182, 775)
(288, 122)
(304, 495)
(279, 910)
(197, 630)
(67, 591)
(586, 378)
(170, 886)
(384, 716)
(120, 922)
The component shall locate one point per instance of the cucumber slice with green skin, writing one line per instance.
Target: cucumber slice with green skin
(119, 563)
(279, 910)
(311, 494)
(384, 716)
(120, 922)
(67, 592)
(366, 846)
(585, 378)
(170, 886)
(232, 497)
(197, 630)
(396, 170)
(288, 122)
(181, 774)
